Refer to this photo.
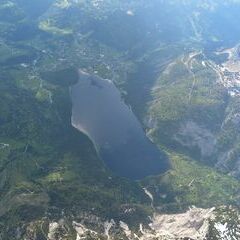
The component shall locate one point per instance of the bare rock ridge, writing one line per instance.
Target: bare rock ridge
(195, 224)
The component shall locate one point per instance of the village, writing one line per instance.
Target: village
(229, 71)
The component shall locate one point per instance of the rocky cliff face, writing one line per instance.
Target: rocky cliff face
(196, 224)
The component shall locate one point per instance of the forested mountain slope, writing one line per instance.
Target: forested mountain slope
(176, 64)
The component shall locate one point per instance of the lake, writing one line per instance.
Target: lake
(99, 111)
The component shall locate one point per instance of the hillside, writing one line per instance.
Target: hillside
(176, 63)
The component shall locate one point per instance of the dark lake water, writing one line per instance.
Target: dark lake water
(99, 111)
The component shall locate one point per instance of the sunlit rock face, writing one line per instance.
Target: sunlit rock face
(99, 111)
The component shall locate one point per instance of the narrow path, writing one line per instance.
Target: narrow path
(190, 69)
